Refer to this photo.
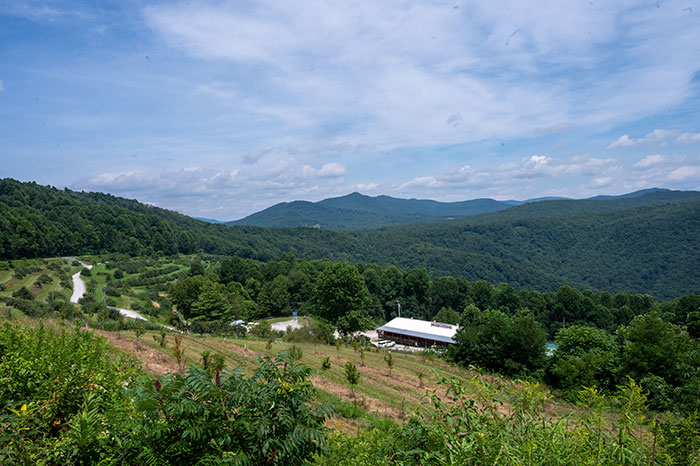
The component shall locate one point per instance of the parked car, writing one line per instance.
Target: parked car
(383, 343)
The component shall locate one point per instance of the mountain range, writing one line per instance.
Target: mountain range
(356, 211)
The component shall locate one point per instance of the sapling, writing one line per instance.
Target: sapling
(389, 359)
(338, 342)
(326, 364)
(179, 353)
(352, 375)
(295, 353)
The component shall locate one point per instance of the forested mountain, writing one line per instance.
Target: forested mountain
(643, 244)
(357, 211)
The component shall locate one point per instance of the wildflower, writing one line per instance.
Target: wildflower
(157, 385)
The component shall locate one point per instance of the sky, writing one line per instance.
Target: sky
(219, 109)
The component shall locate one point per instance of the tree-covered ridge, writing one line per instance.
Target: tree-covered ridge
(643, 244)
(651, 249)
(356, 211)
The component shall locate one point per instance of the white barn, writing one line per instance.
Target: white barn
(414, 332)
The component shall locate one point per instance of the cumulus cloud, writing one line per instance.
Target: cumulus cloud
(600, 182)
(190, 181)
(622, 141)
(688, 138)
(205, 191)
(331, 170)
(534, 167)
(366, 187)
(684, 173)
(651, 161)
(658, 137)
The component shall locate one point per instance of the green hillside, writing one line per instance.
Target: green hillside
(356, 211)
(643, 244)
(652, 249)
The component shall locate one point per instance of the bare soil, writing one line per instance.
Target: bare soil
(154, 361)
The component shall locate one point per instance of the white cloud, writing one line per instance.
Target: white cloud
(651, 161)
(600, 182)
(688, 138)
(622, 141)
(685, 172)
(400, 74)
(331, 170)
(2, 87)
(368, 187)
(531, 168)
(657, 137)
(232, 193)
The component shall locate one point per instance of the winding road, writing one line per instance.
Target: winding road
(78, 283)
(79, 292)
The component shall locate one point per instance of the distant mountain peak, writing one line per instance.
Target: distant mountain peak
(355, 210)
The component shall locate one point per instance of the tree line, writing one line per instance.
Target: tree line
(602, 338)
(642, 248)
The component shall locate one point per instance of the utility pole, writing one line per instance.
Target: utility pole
(398, 307)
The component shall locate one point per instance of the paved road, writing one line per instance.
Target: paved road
(131, 314)
(78, 283)
(79, 292)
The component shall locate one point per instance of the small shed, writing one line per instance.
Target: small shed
(414, 332)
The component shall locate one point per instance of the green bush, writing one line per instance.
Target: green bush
(22, 293)
(45, 379)
(112, 291)
(186, 419)
(471, 428)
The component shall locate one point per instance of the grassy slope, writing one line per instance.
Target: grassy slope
(40, 292)
(379, 392)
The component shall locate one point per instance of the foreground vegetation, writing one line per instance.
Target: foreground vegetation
(68, 400)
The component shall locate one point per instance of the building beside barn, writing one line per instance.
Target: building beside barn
(414, 332)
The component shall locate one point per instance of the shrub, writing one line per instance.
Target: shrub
(326, 364)
(112, 291)
(29, 308)
(22, 293)
(186, 419)
(46, 378)
(295, 353)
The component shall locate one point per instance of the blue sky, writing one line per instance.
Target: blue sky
(220, 109)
